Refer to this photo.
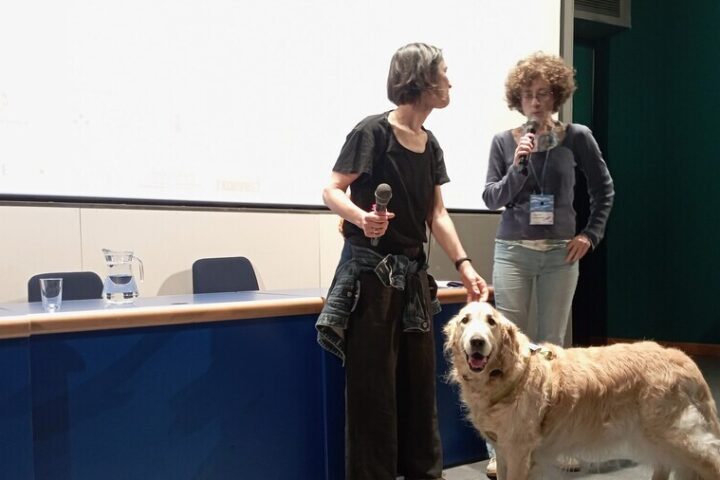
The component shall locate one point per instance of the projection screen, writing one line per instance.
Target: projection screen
(239, 102)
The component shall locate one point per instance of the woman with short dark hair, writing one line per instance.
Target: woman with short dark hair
(378, 314)
(413, 70)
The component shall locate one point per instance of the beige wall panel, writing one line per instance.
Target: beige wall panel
(331, 244)
(477, 233)
(36, 240)
(282, 247)
(288, 250)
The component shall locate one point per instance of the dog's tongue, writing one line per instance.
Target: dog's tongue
(478, 361)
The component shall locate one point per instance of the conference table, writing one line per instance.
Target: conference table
(210, 386)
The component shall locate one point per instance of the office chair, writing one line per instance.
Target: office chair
(76, 285)
(223, 274)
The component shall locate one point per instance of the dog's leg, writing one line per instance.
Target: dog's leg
(514, 468)
(704, 463)
(501, 465)
(686, 474)
(518, 465)
(661, 473)
(695, 450)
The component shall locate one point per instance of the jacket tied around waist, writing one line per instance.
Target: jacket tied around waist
(396, 271)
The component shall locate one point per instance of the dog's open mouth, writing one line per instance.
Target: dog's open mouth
(477, 361)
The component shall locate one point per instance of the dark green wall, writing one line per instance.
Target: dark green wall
(589, 306)
(583, 98)
(661, 105)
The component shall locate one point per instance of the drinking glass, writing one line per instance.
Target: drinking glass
(51, 293)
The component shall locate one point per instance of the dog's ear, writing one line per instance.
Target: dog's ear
(510, 332)
(451, 331)
(507, 324)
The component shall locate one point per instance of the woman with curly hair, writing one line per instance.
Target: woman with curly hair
(531, 172)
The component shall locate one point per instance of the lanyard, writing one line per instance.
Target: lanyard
(540, 181)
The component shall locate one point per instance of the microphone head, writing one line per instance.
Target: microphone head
(383, 194)
(531, 125)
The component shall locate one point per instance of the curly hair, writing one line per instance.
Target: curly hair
(413, 70)
(544, 66)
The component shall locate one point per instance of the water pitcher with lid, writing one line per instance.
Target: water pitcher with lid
(120, 285)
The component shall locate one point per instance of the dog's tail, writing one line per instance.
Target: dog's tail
(707, 407)
(709, 411)
(693, 384)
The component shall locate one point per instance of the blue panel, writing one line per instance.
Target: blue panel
(15, 414)
(461, 442)
(239, 399)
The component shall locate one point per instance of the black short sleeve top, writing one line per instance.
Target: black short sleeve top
(372, 150)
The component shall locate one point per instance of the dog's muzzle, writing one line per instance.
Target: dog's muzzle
(476, 358)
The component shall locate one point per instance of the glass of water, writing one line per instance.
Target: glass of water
(51, 293)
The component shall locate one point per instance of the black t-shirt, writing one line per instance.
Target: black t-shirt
(372, 150)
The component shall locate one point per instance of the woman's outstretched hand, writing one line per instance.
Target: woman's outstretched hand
(477, 289)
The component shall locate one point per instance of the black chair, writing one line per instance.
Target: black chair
(76, 285)
(223, 274)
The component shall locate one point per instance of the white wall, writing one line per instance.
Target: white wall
(288, 249)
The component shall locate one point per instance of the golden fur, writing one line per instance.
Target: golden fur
(534, 406)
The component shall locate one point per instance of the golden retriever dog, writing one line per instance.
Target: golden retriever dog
(534, 403)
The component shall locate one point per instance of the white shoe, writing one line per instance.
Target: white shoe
(491, 469)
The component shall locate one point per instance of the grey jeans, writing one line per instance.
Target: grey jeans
(519, 273)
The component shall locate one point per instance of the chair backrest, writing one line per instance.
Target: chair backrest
(223, 274)
(76, 285)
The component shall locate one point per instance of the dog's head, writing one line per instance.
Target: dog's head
(479, 339)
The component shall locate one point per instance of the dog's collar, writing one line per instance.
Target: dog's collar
(510, 388)
(543, 351)
(505, 392)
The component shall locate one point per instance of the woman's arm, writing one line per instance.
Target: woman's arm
(503, 183)
(600, 190)
(335, 197)
(599, 183)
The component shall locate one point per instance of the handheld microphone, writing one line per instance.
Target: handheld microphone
(383, 194)
(530, 126)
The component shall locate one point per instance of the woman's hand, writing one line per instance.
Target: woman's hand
(577, 248)
(524, 148)
(375, 224)
(477, 289)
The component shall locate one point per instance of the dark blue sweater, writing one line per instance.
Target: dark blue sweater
(506, 186)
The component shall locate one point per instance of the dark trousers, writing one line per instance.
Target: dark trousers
(391, 411)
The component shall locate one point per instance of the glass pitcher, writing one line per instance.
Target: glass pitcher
(120, 285)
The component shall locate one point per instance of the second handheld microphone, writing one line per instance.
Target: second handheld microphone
(530, 126)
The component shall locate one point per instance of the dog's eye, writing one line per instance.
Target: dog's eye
(491, 321)
(466, 318)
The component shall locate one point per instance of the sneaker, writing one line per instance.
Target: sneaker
(491, 469)
(568, 464)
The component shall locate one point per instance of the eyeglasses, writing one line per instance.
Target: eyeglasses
(541, 95)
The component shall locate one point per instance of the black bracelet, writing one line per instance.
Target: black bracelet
(459, 261)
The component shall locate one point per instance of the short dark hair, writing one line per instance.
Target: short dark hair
(413, 70)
